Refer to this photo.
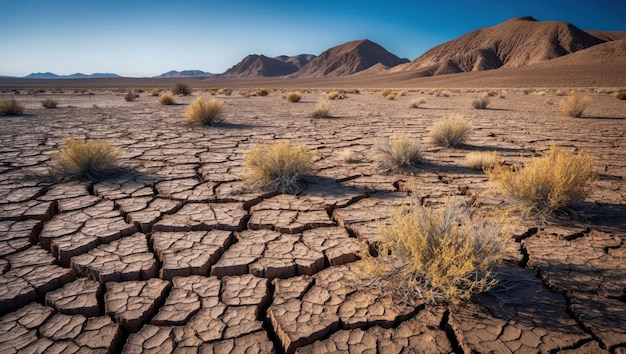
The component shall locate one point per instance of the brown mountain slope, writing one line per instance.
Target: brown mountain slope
(260, 66)
(349, 58)
(608, 35)
(297, 60)
(513, 43)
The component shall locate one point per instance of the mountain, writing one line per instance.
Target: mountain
(349, 58)
(260, 66)
(297, 60)
(608, 35)
(49, 75)
(514, 43)
(185, 73)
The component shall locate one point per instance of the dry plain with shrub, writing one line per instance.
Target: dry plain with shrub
(181, 253)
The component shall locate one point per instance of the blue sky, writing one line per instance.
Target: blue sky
(146, 38)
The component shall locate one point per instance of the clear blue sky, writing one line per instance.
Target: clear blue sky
(146, 38)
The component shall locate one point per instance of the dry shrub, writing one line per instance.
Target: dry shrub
(333, 95)
(574, 105)
(621, 94)
(293, 96)
(480, 102)
(279, 166)
(546, 185)
(391, 96)
(11, 107)
(436, 255)
(399, 154)
(322, 109)
(130, 96)
(386, 92)
(561, 92)
(205, 112)
(90, 159)
(166, 99)
(482, 160)
(225, 92)
(351, 156)
(450, 132)
(49, 103)
(155, 92)
(416, 102)
(260, 92)
(181, 89)
(490, 93)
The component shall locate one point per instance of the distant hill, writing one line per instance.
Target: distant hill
(349, 58)
(49, 75)
(185, 73)
(298, 60)
(514, 43)
(260, 66)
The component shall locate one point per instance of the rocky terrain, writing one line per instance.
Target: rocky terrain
(177, 255)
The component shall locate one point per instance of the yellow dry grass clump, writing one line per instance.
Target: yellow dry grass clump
(482, 160)
(166, 99)
(181, 89)
(574, 105)
(11, 107)
(548, 184)
(333, 95)
(450, 132)
(416, 102)
(322, 109)
(205, 112)
(293, 96)
(279, 166)
(155, 92)
(436, 255)
(399, 154)
(89, 159)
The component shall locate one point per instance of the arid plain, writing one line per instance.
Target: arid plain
(178, 255)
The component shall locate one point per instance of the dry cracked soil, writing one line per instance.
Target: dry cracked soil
(177, 254)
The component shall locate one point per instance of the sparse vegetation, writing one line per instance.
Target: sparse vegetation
(90, 159)
(490, 93)
(11, 107)
(225, 92)
(482, 160)
(480, 102)
(621, 94)
(416, 102)
(205, 112)
(260, 92)
(450, 132)
(546, 185)
(399, 154)
(350, 156)
(293, 96)
(435, 255)
(155, 92)
(322, 109)
(130, 96)
(49, 103)
(279, 166)
(166, 99)
(574, 105)
(181, 89)
(391, 96)
(386, 92)
(333, 95)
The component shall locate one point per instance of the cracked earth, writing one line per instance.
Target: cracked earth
(177, 255)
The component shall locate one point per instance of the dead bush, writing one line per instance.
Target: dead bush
(11, 107)
(480, 102)
(279, 166)
(546, 185)
(205, 112)
(293, 96)
(322, 109)
(450, 132)
(90, 159)
(166, 99)
(574, 105)
(416, 102)
(180, 89)
(621, 94)
(435, 255)
(482, 160)
(49, 103)
(399, 154)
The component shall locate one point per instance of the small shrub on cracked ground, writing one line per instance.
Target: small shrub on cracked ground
(155, 92)
(450, 132)
(322, 109)
(417, 102)
(482, 160)
(436, 255)
(260, 92)
(166, 99)
(480, 102)
(11, 107)
(334, 95)
(205, 112)
(400, 154)
(279, 166)
(130, 96)
(293, 96)
(90, 159)
(574, 105)
(546, 185)
(49, 103)
(181, 89)
(621, 94)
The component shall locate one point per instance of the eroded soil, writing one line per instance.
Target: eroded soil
(179, 255)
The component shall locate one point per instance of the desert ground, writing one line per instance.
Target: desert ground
(178, 255)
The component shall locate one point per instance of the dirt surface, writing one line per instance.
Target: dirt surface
(178, 255)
